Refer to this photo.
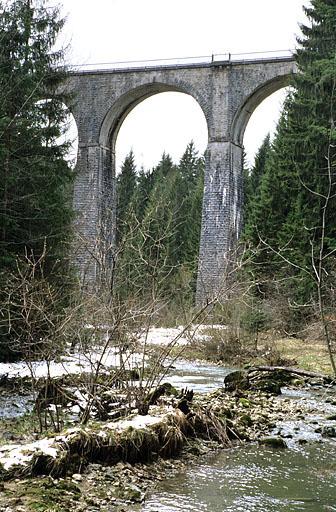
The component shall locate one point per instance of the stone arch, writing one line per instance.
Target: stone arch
(226, 93)
(120, 109)
(108, 134)
(247, 108)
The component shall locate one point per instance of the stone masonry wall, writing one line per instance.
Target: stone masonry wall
(227, 93)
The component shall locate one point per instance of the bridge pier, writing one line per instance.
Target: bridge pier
(95, 202)
(221, 219)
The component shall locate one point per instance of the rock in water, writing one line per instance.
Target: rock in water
(328, 431)
(236, 380)
(273, 442)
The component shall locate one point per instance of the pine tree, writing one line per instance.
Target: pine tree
(142, 193)
(189, 196)
(312, 121)
(310, 140)
(164, 167)
(190, 165)
(288, 214)
(160, 245)
(255, 174)
(145, 259)
(252, 188)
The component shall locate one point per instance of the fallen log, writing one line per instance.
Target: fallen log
(294, 371)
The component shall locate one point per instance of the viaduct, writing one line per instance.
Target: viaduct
(228, 91)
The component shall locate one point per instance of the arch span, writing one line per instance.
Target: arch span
(163, 123)
(120, 109)
(110, 127)
(245, 111)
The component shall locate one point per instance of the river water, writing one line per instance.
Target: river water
(202, 378)
(247, 478)
(252, 478)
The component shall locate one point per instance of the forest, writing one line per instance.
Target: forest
(166, 202)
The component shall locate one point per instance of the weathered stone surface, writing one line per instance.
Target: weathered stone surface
(227, 92)
(236, 380)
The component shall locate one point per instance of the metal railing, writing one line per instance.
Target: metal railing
(213, 59)
(248, 56)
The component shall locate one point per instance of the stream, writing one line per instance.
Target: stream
(253, 478)
(202, 378)
(247, 478)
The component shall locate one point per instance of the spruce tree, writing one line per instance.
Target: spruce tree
(126, 188)
(310, 138)
(252, 187)
(164, 167)
(142, 193)
(312, 123)
(145, 258)
(288, 213)
(189, 196)
(255, 174)
(35, 178)
(160, 244)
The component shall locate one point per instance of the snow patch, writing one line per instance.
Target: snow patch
(137, 422)
(164, 336)
(12, 455)
(78, 362)
(81, 362)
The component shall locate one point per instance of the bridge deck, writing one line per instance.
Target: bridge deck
(154, 66)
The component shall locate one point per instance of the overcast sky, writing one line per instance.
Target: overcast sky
(118, 30)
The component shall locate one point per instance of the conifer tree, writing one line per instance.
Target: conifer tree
(312, 124)
(142, 193)
(35, 178)
(163, 226)
(252, 187)
(164, 167)
(255, 174)
(289, 210)
(145, 260)
(189, 196)
(126, 187)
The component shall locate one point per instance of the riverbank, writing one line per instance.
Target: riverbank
(92, 468)
(236, 414)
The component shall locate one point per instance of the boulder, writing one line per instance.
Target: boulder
(273, 442)
(236, 380)
(328, 431)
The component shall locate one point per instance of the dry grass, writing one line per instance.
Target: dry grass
(309, 354)
(106, 444)
(312, 356)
